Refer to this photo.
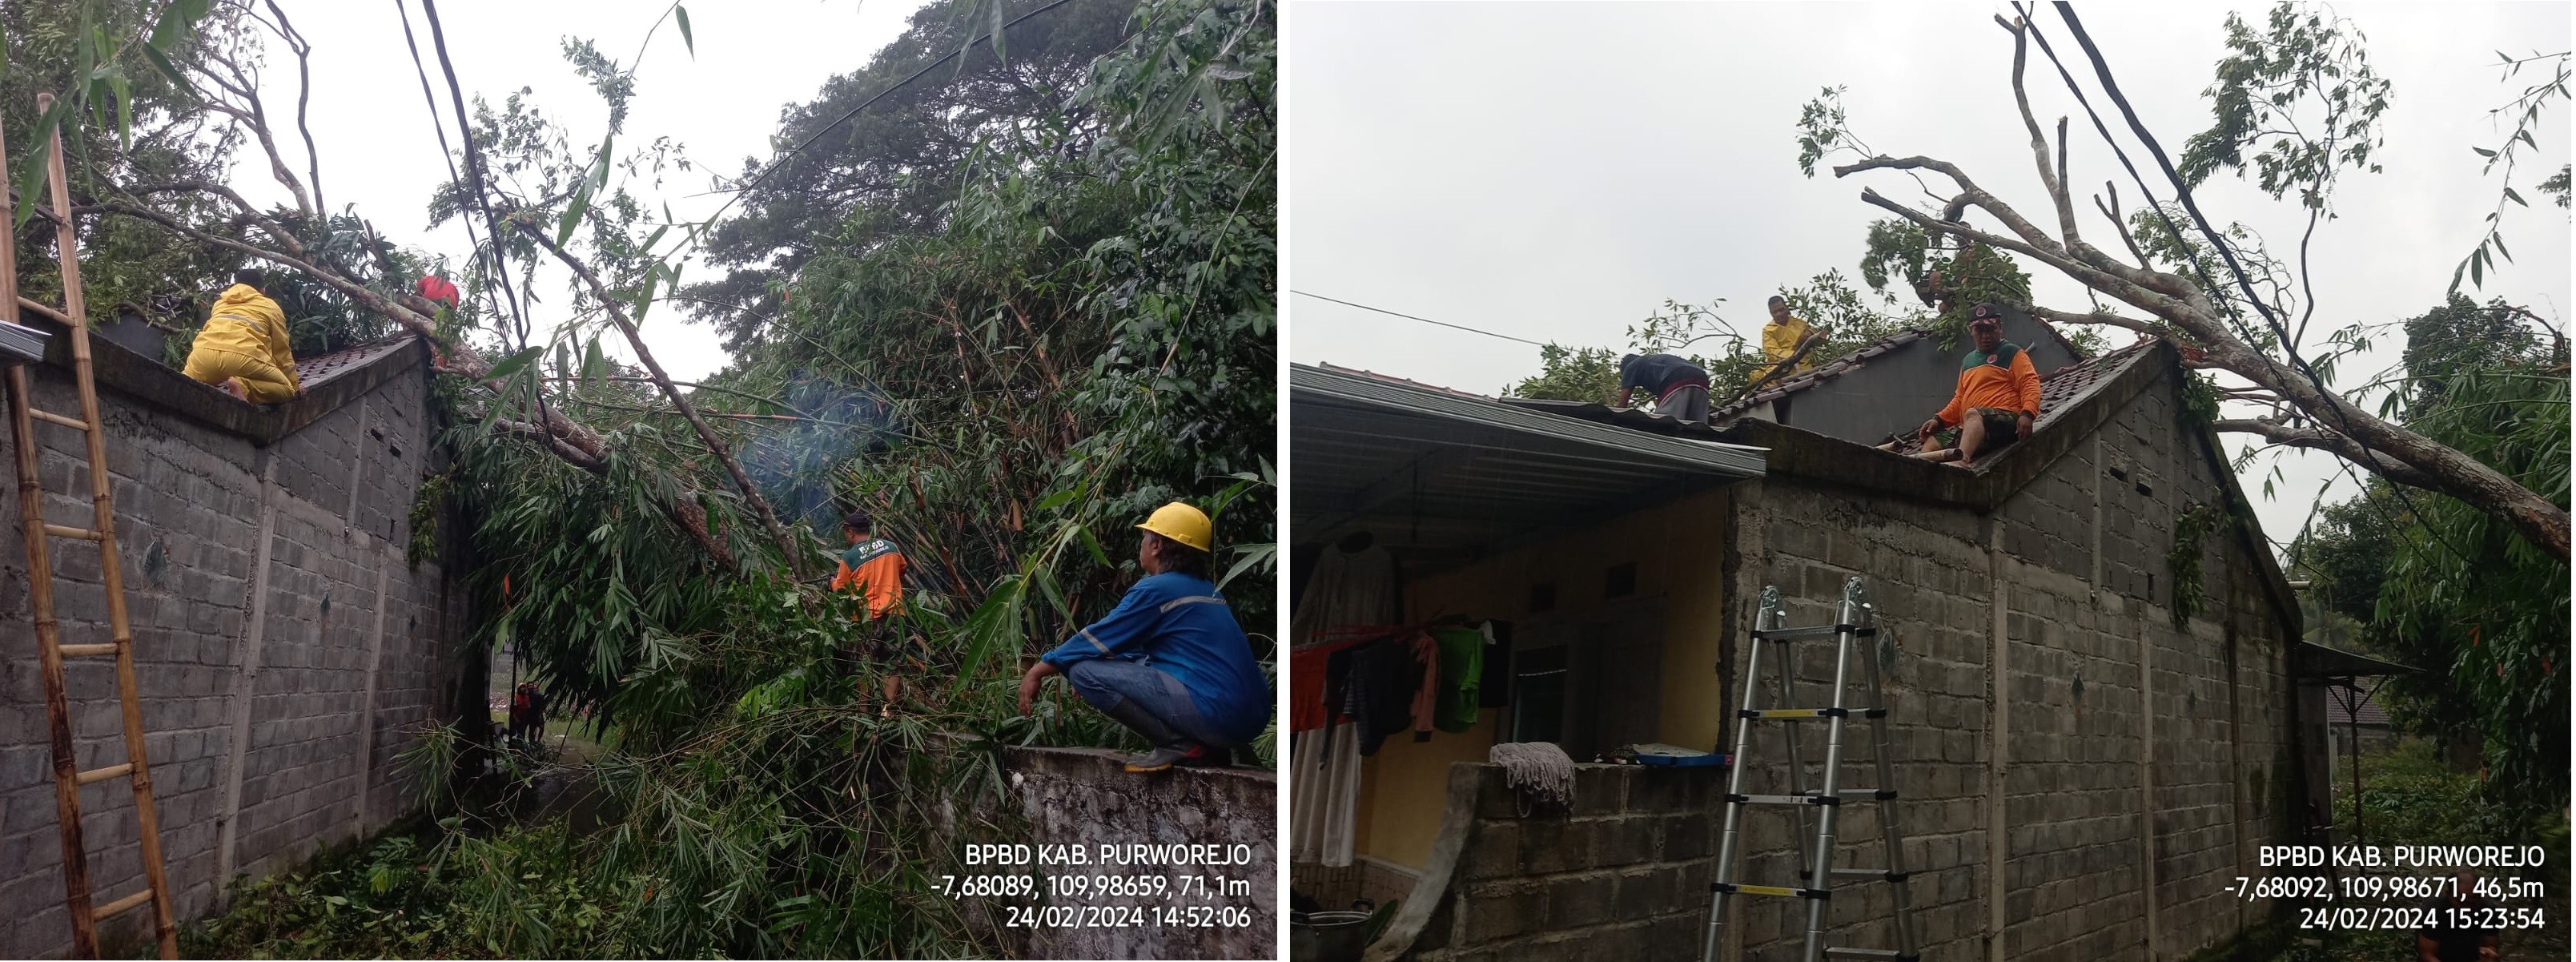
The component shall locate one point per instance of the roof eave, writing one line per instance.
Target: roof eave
(1715, 457)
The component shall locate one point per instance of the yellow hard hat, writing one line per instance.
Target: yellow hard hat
(1181, 523)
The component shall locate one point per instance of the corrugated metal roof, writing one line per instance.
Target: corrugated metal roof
(1634, 419)
(2369, 712)
(1414, 397)
(2313, 660)
(1430, 469)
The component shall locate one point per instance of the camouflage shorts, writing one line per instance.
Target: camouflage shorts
(2002, 427)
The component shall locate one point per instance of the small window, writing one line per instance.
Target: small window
(1538, 695)
(1620, 581)
(1542, 597)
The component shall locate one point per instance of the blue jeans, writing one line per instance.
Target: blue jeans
(1104, 683)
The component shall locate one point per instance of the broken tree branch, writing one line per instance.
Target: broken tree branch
(303, 95)
(244, 85)
(2187, 312)
(644, 355)
(2111, 211)
(284, 238)
(2051, 179)
(2322, 440)
(461, 359)
(1806, 346)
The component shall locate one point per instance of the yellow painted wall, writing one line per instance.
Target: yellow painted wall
(1678, 551)
(1404, 786)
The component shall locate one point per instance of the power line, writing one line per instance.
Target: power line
(444, 152)
(1425, 320)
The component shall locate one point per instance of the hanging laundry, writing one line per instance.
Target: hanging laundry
(1353, 584)
(1306, 668)
(1350, 586)
(1426, 685)
(1374, 685)
(1324, 795)
(1462, 671)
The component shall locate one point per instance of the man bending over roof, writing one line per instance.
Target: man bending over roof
(1679, 386)
(1998, 393)
(243, 347)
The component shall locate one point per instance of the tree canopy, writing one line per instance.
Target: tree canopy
(2440, 586)
(900, 159)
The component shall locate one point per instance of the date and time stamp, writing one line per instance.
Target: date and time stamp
(2350, 887)
(1109, 885)
(2418, 887)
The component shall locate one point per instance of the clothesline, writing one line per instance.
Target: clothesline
(1355, 634)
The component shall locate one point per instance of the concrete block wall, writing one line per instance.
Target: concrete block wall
(1930, 574)
(2134, 756)
(284, 648)
(1621, 875)
(1060, 797)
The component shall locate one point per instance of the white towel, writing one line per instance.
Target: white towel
(1324, 795)
(1540, 771)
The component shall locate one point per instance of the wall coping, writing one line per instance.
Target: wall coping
(1111, 759)
(159, 386)
(1811, 457)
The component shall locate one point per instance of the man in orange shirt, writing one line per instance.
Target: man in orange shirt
(873, 570)
(1998, 393)
(873, 567)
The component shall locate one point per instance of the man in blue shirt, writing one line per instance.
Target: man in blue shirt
(1680, 388)
(1169, 662)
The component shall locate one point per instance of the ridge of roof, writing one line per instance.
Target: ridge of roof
(2064, 387)
(1856, 359)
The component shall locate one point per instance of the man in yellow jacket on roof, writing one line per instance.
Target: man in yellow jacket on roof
(243, 347)
(1783, 333)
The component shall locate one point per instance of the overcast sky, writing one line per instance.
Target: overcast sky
(379, 151)
(1556, 171)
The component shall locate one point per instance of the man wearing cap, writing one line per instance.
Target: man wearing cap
(1169, 662)
(1998, 393)
(1680, 387)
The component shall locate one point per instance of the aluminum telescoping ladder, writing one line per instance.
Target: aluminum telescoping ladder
(68, 776)
(1856, 622)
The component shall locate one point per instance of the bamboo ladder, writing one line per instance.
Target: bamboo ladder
(68, 777)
